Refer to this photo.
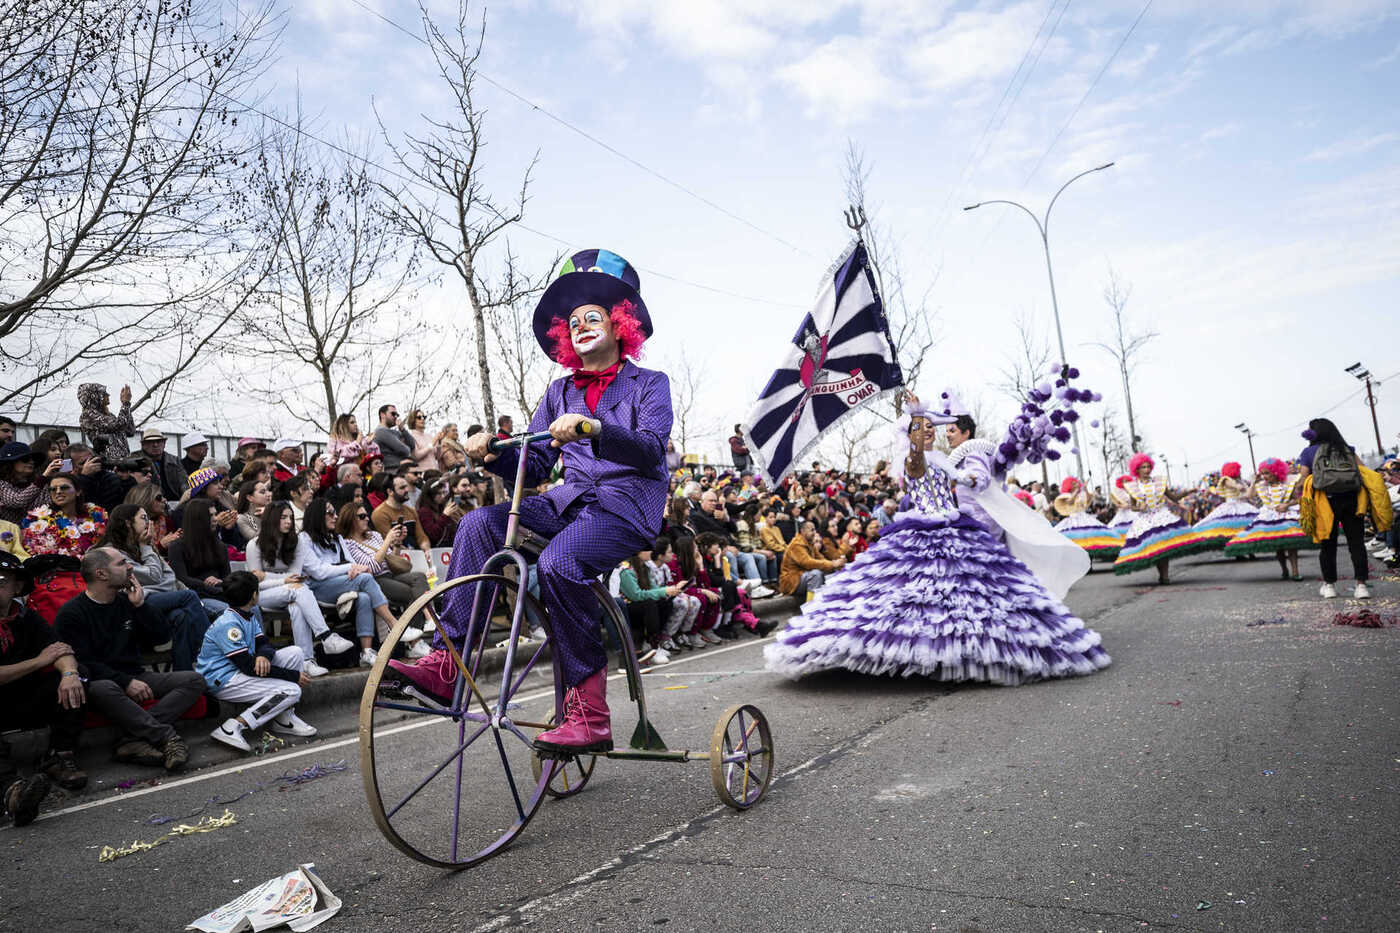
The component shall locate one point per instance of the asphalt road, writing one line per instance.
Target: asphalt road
(1219, 775)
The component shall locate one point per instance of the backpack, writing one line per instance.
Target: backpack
(1334, 470)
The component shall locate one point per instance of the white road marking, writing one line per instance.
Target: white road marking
(271, 760)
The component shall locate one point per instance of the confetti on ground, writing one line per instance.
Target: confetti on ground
(1168, 702)
(677, 687)
(1258, 622)
(206, 825)
(1204, 905)
(136, 782)
(269, 743)
(1365, 618)
(288, 780)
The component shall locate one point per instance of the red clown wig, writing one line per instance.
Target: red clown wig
(1275, 468)
(1137, 461)
(1231, 469)
(1069, 484)
(1121, 480)
(628, 329)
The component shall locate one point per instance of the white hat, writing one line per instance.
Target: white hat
(193, 439)
(282, 443)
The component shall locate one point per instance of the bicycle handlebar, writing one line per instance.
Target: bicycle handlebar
(586, 427)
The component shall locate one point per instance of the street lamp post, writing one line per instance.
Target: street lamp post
(1249, 435)
(1362, 373)
(1168, 464)
(1044, 227)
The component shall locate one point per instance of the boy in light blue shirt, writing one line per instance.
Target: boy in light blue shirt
(239, 664)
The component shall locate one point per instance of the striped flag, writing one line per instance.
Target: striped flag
(841, 358)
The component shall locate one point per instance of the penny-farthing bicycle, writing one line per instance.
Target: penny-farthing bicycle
(469, 799)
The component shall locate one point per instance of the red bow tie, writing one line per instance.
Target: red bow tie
(593, 384)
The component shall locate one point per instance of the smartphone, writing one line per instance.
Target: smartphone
(66, 466)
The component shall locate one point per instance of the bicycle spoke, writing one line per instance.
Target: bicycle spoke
(510, 777)
(436, 771)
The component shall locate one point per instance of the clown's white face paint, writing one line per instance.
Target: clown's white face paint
(593, 338)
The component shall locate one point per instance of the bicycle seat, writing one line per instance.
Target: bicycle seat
(530, 542)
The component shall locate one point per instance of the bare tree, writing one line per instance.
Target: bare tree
(120, 194)
(1025, 367)
(685, 385)
(342, 273)
(523, 370)
(911, 322)
(1125, 344)
(446, 207)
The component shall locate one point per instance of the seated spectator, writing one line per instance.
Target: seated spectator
(108, 432)
(746, 534)
(347, 445)
(19, 490)
(396, 510)
(104, 626)
(688, 567)
(149, 497)
(384, 556)
(130, 532)
(39, 686)
(439, 514)
(196, 448)
(66, 525)
(450, 453)
(886, 512)
(207, 484)
(260, 467)
(677, 524)
(240, 665)
(332, 573)
(349, 485)
(378, 489)
(736, 610)
(317, 469)
(198, 557)
(289, 459)
(464, 494)
(648, 603)
(132, 472)
(166, 469)
(7, 430)
(50, 445)
(790, 520)
(298, 492)
(804, 570)
(871, 532)
(247, 447)
(853, 540)
(505, 427)
(424, 447)
(253, 497)
(277, 556)
(833, 547)
(98, 485)
(771, 536)
(684, 608)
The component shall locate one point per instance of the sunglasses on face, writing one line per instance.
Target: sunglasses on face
(362, 516)
(60, 489)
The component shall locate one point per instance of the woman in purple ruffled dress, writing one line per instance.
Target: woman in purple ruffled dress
(940, 595)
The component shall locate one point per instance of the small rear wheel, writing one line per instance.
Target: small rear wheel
(570, 775)
(741, 756)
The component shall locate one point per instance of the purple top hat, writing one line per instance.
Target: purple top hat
(590, 277)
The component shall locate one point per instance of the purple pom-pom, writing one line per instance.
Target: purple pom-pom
(1074, 450)
(1071, 416)
(1044, 389)
(1309, 434)
(1034, 458)
(1056, 417)
(1098, 396)
(1059, 383)
(1052, 455)
(944, 395)
(1062, 434)
(1094, 423)
(1073, 373)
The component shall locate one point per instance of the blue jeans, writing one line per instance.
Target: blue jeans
(754, 566)
(184, 611)
(369, 597)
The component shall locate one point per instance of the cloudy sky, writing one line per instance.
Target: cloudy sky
(1254, 207)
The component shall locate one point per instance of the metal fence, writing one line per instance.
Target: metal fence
(221, 447)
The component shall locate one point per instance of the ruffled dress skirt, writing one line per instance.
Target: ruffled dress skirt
(1102, 542)
(938, 596)
(1157, 536)
(1225, 521)
(1271, 531)
(1121, 521)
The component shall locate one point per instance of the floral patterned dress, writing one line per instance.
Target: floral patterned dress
(50, 532)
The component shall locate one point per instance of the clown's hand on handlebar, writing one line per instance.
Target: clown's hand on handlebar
(569, 428)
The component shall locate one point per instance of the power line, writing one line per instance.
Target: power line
(596, 141)
(1093, 84)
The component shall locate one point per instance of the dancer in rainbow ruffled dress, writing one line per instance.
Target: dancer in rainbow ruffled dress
(1079, 524)
(1158, 534)
(1230, 517)
(1276, 527)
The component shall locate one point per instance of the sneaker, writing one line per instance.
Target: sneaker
(410, 634)
(669, 645)
(710, 638)
(231, 734)
(313, 669)
(429, 626)
(139, 751)
(660, 656)
(62, 768)
(537, 633)
(419, 649)
(1328, 591)
(766, 628)
(289, 723)
(336, 644)
(761, 592)
(176, 752)
(367, 657)
(1362, 592)
(22, 798)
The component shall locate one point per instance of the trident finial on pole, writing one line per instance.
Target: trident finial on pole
(855, 218)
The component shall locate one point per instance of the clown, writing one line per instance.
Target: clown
(1234, 515)
(591, 320)
(1157, 535)
(1079, 524)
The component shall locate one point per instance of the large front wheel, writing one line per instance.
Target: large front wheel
(452, 784)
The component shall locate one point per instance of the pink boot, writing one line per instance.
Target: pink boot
(587, 726)
(431, 678)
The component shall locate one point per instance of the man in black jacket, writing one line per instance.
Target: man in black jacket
(99, 485)
(102, 625)
(39, 686)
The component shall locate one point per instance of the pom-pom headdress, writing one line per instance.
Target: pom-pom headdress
(1231, 469)
(1137, 461)
(1275, 468)
(1043, 421)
